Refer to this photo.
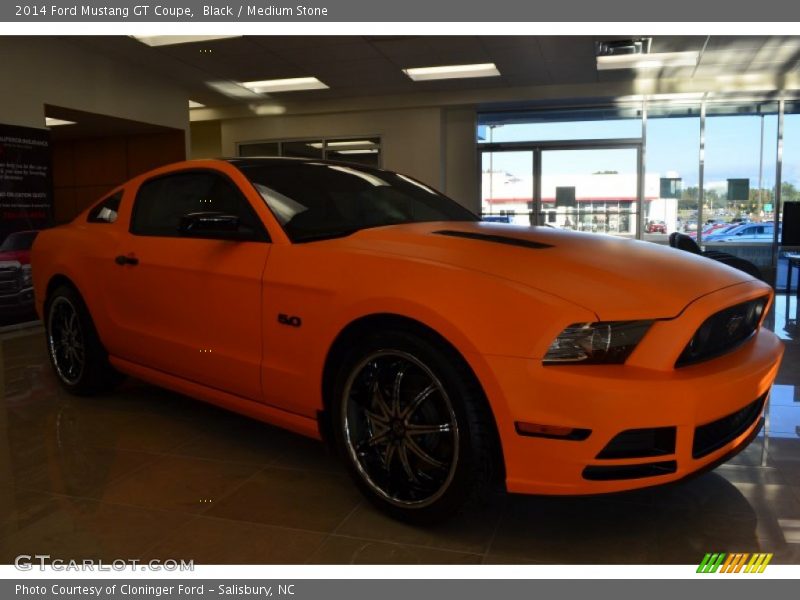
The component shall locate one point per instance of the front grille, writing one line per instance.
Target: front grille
(722, 332)
(640, 443)
(9, 279)
(713, 436)
(8, 287)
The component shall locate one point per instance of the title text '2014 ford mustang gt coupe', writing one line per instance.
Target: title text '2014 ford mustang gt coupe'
(439, 355)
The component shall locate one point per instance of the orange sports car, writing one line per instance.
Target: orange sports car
(440, 355)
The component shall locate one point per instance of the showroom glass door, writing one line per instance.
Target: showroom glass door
(507, 192)
(593, 189)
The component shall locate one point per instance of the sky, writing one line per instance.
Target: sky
(732, 148)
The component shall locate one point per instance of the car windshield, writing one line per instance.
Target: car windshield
(19, 241)
(315, 200)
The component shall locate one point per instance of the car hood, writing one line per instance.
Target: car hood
(614, 277)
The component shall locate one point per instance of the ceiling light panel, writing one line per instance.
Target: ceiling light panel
(452, 72)
(51, 122)
(656, 60)
(295, 84)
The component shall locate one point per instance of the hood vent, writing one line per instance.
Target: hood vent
(497, 239)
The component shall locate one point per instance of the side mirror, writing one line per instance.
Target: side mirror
(211, 225)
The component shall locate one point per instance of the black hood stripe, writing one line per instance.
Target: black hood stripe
(497, 239)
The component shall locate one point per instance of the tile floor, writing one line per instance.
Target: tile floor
(145, 473)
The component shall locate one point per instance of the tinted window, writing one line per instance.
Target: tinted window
(19, 241)
(320, 200)
(106, 211)
(162, 202)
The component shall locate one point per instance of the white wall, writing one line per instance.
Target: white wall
(43, 70)
(410, 139)
(460, 160)
(434, 145)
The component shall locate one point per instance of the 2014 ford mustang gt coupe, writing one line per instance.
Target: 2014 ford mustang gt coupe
(438, 354)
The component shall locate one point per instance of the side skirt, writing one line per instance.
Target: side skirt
(306, 426)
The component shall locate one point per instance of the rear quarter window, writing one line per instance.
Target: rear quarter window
(106, 211)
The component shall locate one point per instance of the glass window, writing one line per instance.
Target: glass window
(591, 190)
(790, 193)
(162, 202)
(739, 178)
(260, 149)
(672, 170)
(312, 149)
(567, 124)
(107, 210)
(318, 200)
(507, 187)
(363, 151)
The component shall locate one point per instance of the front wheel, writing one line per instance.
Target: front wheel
(78, 358)
(412, 424)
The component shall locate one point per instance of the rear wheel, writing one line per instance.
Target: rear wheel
(412, 424)
(76, 354)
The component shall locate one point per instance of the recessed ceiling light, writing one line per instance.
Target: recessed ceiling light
(193, 104)
(657, 60)
(51, 122)
(452, 72)
(171, 40)
(294, 84)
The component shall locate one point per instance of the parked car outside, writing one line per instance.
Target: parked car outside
(747, 234)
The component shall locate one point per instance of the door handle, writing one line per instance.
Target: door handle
(123, 260)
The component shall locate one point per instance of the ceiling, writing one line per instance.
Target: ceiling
(359, 66)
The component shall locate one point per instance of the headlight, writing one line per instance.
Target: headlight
(26, 276)
(602, 343)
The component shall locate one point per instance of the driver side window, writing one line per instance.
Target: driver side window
(163, 201)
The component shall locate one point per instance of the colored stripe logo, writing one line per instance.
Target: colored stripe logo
(720, 562)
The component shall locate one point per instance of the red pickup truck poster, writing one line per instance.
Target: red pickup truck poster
(26, 206)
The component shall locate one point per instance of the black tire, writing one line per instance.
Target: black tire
(468, 447)
(77, 356)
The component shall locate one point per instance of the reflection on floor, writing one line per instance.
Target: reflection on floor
(145, 473)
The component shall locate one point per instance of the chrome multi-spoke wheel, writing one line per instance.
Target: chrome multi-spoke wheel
(76, 353)
(66, 340)
(400, 428)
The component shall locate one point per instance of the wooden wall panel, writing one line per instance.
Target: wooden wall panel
(64, 208)
(146, 152)
(101, 161)
(84, 170)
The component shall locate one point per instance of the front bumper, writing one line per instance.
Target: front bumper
(709, 411)
(17, 302)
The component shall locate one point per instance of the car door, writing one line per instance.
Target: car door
(185, 305)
